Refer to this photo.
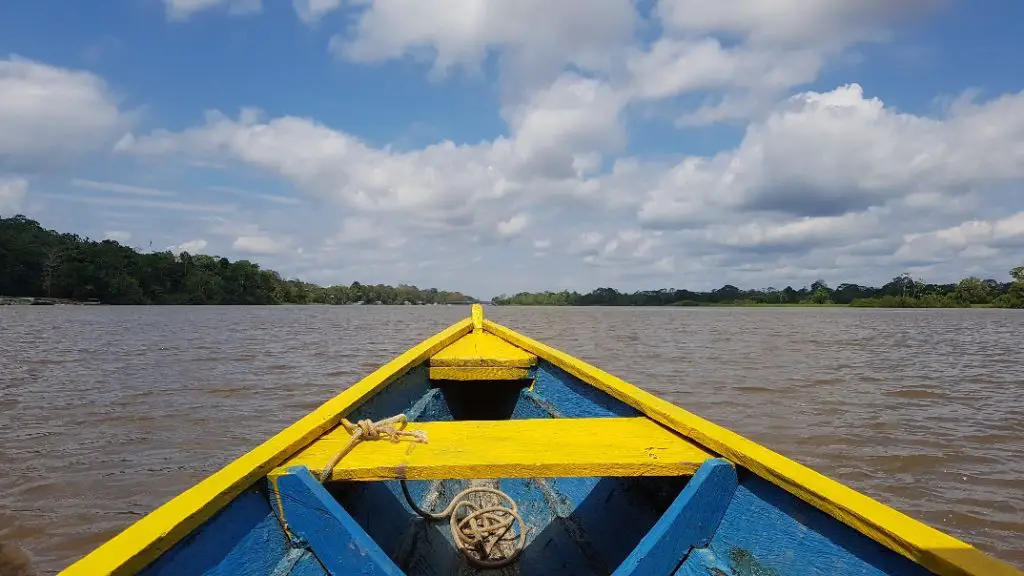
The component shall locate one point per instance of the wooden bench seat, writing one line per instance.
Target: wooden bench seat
(534, 448)
(481, 356)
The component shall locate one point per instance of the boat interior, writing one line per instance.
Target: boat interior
(599, 488)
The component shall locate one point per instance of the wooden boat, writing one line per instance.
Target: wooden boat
(552, 466)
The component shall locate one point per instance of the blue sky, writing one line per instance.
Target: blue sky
(523, 145)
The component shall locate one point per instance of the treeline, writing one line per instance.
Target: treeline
(901, 292)
(41, 263)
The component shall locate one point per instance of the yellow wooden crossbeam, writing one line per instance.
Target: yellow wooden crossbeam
(534, 448)
(481, 356)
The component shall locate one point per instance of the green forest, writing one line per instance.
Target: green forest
(901, 292)
(44, 264)
(39, 263)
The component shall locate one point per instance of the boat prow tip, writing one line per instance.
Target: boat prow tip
(477, 314)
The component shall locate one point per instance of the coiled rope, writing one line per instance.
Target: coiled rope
(479, 531)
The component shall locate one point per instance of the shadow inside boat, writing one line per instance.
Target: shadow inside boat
(481, 400)
(574, 525)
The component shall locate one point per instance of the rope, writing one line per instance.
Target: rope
(482, 528)
(393, 428)
(479, 531)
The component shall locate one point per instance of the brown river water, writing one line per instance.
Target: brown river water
(107, 412)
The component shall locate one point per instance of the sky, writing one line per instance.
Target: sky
(506, 145)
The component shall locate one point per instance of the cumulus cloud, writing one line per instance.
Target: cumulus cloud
(12, 195)
(190, 246)
(624, 247)
(440, 189)
(536, 35)
(678, 66)
(514, 226)
(822, 172)
(826, 154)
(557, 132)
(259, 245)
(819, 182)
(48, 113)
(310, 11)
(976, 237)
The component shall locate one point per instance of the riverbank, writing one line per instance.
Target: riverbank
(864, 303)
(34, 301)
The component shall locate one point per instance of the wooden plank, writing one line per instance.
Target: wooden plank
(150, 536)
(690, 521)
(544, 447)
(935, 550)
(315, 517)
(479, 349)
(478, 373)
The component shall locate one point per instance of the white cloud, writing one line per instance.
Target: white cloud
(864, 155)
(624, 248)
(276, 199)
(119, 188)
(788, 21)
(442, 185)
(799, 234)
(310, 11)
(514, 225)
(183, 9)
(12, 195)
(823, 182)
(674, 66)
(49, 113)
(260, 245)
(191, 246)
(139, 203)
(118, 235)
(538, 35)
(556, 130)
(875, 172)
(979, 238)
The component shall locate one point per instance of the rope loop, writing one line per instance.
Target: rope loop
(480, 532)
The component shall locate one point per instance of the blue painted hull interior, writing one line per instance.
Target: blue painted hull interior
(569, 531)
(722, 521)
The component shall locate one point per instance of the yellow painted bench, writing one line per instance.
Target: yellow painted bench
(481, 356)
(534, 448)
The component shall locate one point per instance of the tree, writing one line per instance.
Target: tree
(39, 262)
(971, 291)
(821, 296)
(1017, 274)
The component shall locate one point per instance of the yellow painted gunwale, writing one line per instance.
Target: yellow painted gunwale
(635, 446)
(935, 550)
(145, 540)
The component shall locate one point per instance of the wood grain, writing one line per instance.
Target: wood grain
(556, 447)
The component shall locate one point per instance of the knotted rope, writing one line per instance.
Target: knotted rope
(479, 531)
(393, 428)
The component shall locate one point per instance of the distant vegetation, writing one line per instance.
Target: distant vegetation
(41, 263)
(901, 292)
